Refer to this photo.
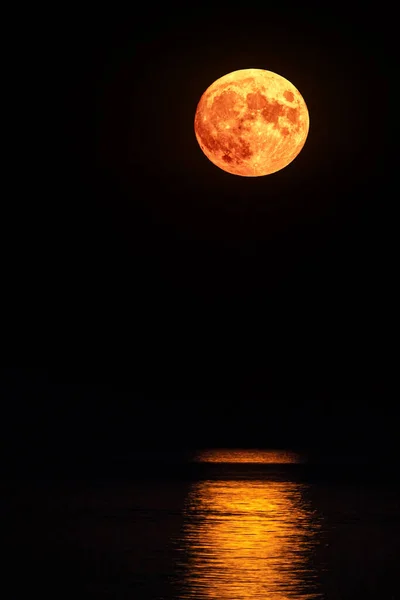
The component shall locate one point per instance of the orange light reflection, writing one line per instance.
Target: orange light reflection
(220, 455)
(249, 540)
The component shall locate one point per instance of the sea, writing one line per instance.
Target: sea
(212, 524)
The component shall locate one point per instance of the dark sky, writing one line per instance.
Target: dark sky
(176, 301)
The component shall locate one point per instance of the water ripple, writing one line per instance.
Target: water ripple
(248, 540)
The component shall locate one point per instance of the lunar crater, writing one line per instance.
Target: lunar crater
(256, 101)
(288, 95)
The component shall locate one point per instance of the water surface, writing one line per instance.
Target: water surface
(246, 525)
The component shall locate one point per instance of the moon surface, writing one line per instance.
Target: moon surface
(251, 122)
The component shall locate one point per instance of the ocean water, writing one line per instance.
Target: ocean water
(222, 524)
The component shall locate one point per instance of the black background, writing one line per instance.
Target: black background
(181, 305)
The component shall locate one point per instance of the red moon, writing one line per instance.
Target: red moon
(251, 122)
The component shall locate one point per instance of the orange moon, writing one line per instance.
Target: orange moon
(251, 122)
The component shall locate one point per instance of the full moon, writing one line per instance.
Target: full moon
(251, 122)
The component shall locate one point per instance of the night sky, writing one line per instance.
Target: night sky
(173, 303)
